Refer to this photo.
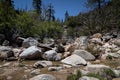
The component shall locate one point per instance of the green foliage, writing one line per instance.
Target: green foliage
(95, 75)
(50, 30)
(50, 13)
(75, 76)
(79, 74)
(24, 24)
(73, 21)
(72, 77)
(109, 72)
(37, 6)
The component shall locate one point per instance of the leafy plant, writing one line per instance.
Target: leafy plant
(72, 77)
(75, 76)
(95, 75)
(109, 72)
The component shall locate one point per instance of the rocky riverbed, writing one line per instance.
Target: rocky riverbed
(56, 60)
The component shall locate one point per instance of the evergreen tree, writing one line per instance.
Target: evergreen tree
(50, 13)
(94, 3)
(37, 6)
(66, 15)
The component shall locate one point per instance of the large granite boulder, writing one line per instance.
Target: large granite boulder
(43, 77)
(52, 55)
(29, 42)
(74, 60)
(84, 54)
(31, 53)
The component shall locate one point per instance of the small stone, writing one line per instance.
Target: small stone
(6, 64)
(35, 72)
(54, 68)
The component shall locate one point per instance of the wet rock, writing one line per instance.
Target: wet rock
(35, 72)
(31, 53)
(88, 78)
(42, 64)
(54, 68)
(43, 77)
(52, 55)
(74, 60)
(84, 54)
(29, 42)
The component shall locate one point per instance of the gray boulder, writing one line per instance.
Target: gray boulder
(29, 42)
(88, 78)
(42, 64)
(31, 53)
(74, 60)
(84, 54)
(52, 55)
(6, 52)
(97, 68)
(43, 77)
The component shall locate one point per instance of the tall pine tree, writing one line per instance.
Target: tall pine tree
(37, 6)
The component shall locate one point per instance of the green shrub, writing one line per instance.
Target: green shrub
(72, 77)
(79, 74)
(75, 76)
(109, 72)
(95, 75)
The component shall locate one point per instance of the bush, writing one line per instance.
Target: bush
(95, 75)
(109, 72)
(72, 77)
(75, 76)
